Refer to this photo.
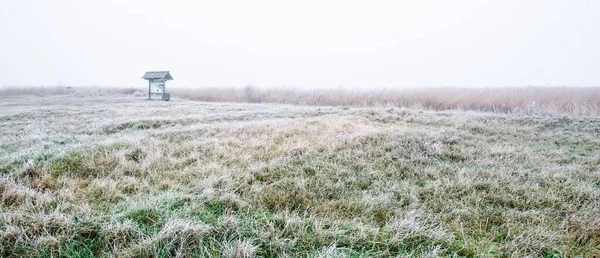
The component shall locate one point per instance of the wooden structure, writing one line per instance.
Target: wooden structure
(156, 84)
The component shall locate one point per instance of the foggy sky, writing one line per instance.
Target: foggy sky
(301, 43)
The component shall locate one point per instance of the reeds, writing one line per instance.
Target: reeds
(555, 100)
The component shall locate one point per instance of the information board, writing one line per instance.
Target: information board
(157, 86)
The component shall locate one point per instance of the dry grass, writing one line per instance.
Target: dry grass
(126, 177)
(555, 100)
(87, 91)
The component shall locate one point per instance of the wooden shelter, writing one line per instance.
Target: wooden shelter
(156, 84)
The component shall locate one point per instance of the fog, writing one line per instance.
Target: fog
(306, 44)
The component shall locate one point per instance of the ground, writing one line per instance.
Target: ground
(86, 176)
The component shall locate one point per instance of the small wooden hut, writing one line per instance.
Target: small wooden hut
(156, 84)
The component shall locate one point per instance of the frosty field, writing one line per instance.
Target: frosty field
(103, 176)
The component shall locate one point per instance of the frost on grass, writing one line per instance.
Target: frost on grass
(140, 178)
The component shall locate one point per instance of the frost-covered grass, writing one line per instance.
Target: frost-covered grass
(101, 176)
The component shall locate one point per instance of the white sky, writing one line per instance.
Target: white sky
(301, 43)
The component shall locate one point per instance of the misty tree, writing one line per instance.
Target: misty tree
(250, 94)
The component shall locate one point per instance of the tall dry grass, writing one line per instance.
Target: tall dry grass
(16, 91)
(580, 101)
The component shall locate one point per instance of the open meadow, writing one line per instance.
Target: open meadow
(118, 175)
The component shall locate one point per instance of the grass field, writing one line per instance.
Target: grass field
(85, 176)
(559, 100)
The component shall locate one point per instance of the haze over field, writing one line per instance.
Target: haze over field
(302, 44)
(300, 129)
